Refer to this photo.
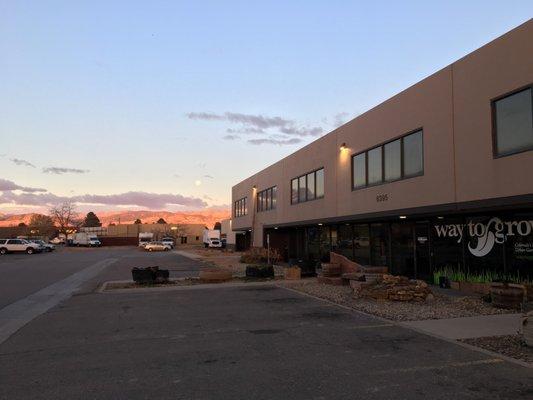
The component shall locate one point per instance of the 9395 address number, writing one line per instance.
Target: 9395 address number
(382, 197)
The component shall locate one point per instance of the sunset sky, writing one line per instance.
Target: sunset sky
(167, 104)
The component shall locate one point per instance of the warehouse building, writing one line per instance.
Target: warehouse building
(438, 175)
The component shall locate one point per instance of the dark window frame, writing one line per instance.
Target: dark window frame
(382, 146)
(315, 186)
(265, 199)
(493, 121)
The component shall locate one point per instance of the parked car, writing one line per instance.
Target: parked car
(19, 245)
(57, 240)
(46, 246)
(169, 241)
(157, 246)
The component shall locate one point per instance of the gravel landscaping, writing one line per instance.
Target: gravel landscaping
(442, 306)
(511, 346)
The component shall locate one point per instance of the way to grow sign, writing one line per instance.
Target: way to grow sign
(483, 236)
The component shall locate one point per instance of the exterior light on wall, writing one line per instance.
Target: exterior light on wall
(320, 224)
(440, 217)
(403, 216)
(343, 146)
(275, 227)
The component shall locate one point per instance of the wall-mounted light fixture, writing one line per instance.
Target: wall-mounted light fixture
(343, 146)
(403, 216)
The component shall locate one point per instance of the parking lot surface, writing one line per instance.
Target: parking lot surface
(24, 274)
(250, 342)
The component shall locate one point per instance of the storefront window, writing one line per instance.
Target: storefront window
(447, 243)
(379, 244)
(325, 243)
(403, 251)
(345, 240)
(361, 244)
(313, 243)
(519, 245)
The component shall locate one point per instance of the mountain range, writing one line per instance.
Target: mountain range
(207, 217)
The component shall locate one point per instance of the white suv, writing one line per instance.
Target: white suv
(18, 245)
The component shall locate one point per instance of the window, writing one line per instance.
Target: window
(413, 154)
(513, 123)
(393, 160)
(375, 173)
(319, 191)
(294, 191)
(266, 199)
(398, 159)
(311, 186)
(240, 208)
(359, 170)
(308, 187)
(302, 189)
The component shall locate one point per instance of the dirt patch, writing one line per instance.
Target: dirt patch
(442, 306)
(510, 346)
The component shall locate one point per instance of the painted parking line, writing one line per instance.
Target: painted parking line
(17, 314)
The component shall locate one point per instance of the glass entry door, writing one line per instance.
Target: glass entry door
(422, 249)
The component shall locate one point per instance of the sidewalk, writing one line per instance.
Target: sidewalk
(469, 327)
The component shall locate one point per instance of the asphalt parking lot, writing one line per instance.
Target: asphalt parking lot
(243, 342)
(24, 274)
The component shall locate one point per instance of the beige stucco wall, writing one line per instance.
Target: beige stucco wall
(453, 106)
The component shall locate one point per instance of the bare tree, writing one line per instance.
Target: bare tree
(65, 217)
(42, 224)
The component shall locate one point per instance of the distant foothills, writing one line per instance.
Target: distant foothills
(208, 217)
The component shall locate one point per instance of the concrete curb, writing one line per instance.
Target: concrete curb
(170, 288)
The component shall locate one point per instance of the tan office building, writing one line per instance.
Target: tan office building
(439, 174)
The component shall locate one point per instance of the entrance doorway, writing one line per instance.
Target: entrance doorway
(410, 247)
(422, 251)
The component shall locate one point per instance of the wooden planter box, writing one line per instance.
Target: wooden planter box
(292, 273)
(474, 287)
(215, 275)
(507, 295)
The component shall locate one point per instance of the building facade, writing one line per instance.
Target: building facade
(436, 176)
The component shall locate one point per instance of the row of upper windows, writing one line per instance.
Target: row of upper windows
(266, 199)
(399, 159)
(308, 187)
(240, 208)
(404, 157)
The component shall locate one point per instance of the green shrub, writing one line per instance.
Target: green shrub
(458, 275)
